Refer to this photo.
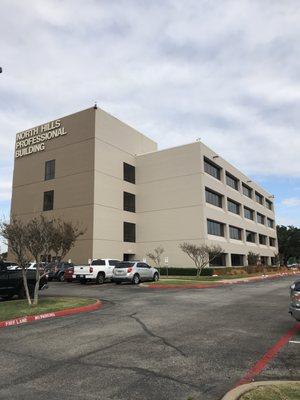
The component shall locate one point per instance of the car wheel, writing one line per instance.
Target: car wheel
(118, 283)
(100, 278)
(156, 277)
(8, 297)
(82, 281)
(61, 278)
(136, 279)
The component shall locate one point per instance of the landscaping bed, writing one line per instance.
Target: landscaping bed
(289, 391)
(186, 280)
(19, 308)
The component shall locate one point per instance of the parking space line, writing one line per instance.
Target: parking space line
(294, 341)
(268, 356)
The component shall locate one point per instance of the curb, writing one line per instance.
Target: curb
(60, 313)
(218, 284)
(235, 394)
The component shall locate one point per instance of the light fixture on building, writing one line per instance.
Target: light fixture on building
(272, 196)
(95, 106)
(198, 139)
(215, 156)
(249, 181)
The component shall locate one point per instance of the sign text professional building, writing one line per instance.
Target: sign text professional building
(92, 168)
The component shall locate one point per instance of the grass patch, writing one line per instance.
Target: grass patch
(289, 391)
(180, 281)
(19, 308)
(183, 280)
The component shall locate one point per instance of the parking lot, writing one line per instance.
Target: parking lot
(151, 344)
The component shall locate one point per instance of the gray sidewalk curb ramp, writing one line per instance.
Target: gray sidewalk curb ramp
(235, 393)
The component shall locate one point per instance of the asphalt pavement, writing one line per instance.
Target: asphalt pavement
(145, 344)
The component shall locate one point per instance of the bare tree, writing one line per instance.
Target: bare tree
(64, 238)
(201, 255)
(39, 241)
(14, 234)
(156, 255)
(49, 235)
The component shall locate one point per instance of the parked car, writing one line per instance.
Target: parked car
(98, 271)
(135, 272)
(57, 270)
(11, 282)
(33, 265)
(295, 300)
(293, 266)
(68, 274)
(10, 264)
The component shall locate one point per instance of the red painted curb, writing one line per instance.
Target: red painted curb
(268, 356)
(61, 313)
(205, 286)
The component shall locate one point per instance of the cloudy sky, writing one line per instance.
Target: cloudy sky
(225, 71)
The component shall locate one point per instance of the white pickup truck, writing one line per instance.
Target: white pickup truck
(98, 271)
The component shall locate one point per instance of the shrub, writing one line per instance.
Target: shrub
(173, 271)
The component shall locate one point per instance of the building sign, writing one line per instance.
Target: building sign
(33, 140)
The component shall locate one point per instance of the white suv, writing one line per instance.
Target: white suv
(135, 272)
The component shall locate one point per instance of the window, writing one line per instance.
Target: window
(218, 261)
(128, 202)
(129, 232)
(48, 200)
(250, 237)
(49, 170)
(232, 181)
(248, 213)
(235, 233)
(142, 265)
(260, 218)
(272, 242)
(212, 169)
(273, 261)
(113, 262)
(213, 198)
(262, 239)
(125, 264)
(247, 191)
(233, 206)
(270, 223)
(98, 262)
(269, 204)
(215, 228)
(237, 260)
(129, 173)
(258, 198)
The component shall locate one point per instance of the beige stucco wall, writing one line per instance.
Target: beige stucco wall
(171, 205)
(169, 201)
(115, 143)
(73, 183)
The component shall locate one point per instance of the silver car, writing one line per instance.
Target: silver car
(295, 300)
(135, 272)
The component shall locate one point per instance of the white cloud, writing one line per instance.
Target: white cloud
(291, 202)
(227, 72)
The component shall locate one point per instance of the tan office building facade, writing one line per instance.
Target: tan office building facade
(91, 168)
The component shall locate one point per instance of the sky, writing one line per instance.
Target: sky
(225, 71)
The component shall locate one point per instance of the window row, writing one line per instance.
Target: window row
(216, 199)
(218, 229)
(128, 171)
(215, 170)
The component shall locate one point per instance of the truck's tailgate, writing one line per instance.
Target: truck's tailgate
(81, 270)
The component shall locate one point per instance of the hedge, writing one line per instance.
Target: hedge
(172, 271)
